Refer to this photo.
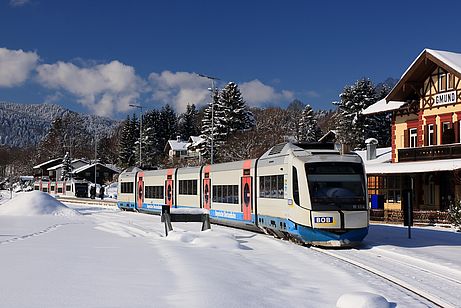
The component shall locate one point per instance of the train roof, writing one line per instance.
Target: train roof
(309, 152)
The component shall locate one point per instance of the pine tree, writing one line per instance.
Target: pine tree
(308, 129)
(128, 137)
(351, 123)
(152, 147)
(379, 125)
(53, 143)
(66, 168)
(187, 124)
(235, 114)
(213, 129)
(168, 129)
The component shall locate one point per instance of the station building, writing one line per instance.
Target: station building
(426, 135)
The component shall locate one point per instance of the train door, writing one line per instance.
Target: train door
(169, 192)
(247, 201)
(207, 193)
(140, 190)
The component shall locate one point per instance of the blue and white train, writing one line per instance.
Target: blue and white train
(316, 196)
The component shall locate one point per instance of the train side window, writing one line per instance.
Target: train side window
(272, 186)
(127, 188)
(188, 187)
(295, 186)
(153, 192)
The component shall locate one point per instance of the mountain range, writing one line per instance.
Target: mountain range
(24, 125)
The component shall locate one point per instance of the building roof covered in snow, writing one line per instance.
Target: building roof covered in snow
(49, 162)
(91, 166)
(403, 93)
(176, 145)
(383, 165)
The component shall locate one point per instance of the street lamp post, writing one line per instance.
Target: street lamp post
(140, 133)
(212, 110)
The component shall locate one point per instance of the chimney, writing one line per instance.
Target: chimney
(372, 144)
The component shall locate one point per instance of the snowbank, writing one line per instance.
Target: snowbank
(35, 203)
(189, 211)
(362, 300)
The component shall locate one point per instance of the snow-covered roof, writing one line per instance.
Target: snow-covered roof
(83, 168)
(178, 145)
(414, 167)
(418, 70)
(330, 132)
(383, 155)
(383, 165)
(383, 106)
(451, 59)
(47, 162)
(195, 141)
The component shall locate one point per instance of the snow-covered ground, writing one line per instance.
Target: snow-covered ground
(108, 258)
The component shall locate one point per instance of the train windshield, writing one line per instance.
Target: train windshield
(336, 186)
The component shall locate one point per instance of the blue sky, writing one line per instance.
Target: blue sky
(100, 56)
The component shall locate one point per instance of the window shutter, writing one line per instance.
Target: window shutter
(426, 135)
(456, 127)
(406, 139)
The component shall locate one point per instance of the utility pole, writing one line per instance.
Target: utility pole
(140, 133)
(212, 89)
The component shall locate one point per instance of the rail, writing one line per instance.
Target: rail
(434, 299)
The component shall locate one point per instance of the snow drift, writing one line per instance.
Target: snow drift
(35, 203)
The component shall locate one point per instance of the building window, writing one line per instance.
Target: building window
(226, 194)
(127, 188)
(448, 133)
(188, 187)
(271, 186)
(413, 137)
(52, 188)
(430, 134)
(446, 80)
(68, 188)
(153, 192)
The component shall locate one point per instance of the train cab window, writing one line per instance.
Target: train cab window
(127, 188)
(295, 186)
(336, 185)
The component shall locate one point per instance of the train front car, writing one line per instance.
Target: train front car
(325, 192)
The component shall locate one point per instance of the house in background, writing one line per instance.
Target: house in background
(104, 173)
(425, 156)
(55, 172)
(41, 170)
(184, 150)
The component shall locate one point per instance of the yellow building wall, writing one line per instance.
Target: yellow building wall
(428, 92)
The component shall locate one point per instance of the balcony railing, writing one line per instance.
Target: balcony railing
(446, 151)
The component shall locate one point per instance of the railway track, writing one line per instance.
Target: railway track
(439, 289)
(87, 201)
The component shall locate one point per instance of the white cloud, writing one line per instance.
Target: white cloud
(17, 3)
(15, 66)
(103, 88)
(179, 89)
(255, 93)
(312, 94)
